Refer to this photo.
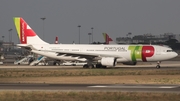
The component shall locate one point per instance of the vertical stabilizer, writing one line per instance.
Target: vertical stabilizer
(25, 33)
(107, 39)
(56, 40)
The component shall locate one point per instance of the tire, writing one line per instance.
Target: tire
(91, 66)
(98, 65)
(85, 66)
(158, 66)
(54, 63)
(104, 66)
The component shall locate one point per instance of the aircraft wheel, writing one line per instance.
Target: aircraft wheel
(158, 66)
(54, 63)
(85, 66)
(104, 66)
(91, 66)
(98, 66)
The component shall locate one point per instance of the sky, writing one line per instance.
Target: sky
(115, 17)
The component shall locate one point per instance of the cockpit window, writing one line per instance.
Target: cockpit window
(169, 50)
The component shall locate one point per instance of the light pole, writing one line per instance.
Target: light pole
(92, 33)
(89, 37)
(11, 35)
(10, 30)
(43, 25)
(3, 38)
(79, 32)
(129, 34)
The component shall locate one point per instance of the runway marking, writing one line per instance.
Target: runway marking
(98, 86)
(168, 87)
(123, 86)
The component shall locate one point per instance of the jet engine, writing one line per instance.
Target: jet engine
(108, 61)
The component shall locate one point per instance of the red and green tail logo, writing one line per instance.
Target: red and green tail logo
(23, 30)
(107, 38)
(141, 52)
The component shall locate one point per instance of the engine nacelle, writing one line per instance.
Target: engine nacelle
(129, 63)
(108, 61)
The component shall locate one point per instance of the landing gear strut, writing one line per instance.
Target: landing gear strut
(57, 62)
(158, 65)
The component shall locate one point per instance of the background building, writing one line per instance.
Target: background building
(148, 38)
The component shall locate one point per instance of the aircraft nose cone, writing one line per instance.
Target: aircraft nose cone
(175, 54)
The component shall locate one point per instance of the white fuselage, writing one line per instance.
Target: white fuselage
(123, 53)
(108, 55)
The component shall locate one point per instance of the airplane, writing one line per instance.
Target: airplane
(107, 39)
(100, 55)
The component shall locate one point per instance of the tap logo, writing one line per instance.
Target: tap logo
(23, 30)
(141, 52)
(22, 34)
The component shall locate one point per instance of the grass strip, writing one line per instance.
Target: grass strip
(85, 96)
(10, 73)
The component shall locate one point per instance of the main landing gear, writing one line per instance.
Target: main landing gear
(158, 65)
(88, 66)
(92, 66)
(100, 66)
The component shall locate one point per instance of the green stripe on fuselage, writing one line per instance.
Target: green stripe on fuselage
(135, 52)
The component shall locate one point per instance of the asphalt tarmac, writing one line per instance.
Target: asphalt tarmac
(140, 66)
(92, 87)
(167, 65)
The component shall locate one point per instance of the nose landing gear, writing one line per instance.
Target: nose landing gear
(158, 65)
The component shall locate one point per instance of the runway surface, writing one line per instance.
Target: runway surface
(77, 67)
(167, 65)
(141, 66)
(92, 87)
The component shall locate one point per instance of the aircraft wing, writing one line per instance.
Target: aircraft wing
(84, 55)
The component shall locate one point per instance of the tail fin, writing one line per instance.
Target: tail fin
(107, 39)
(25, 33)
(56, 40)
